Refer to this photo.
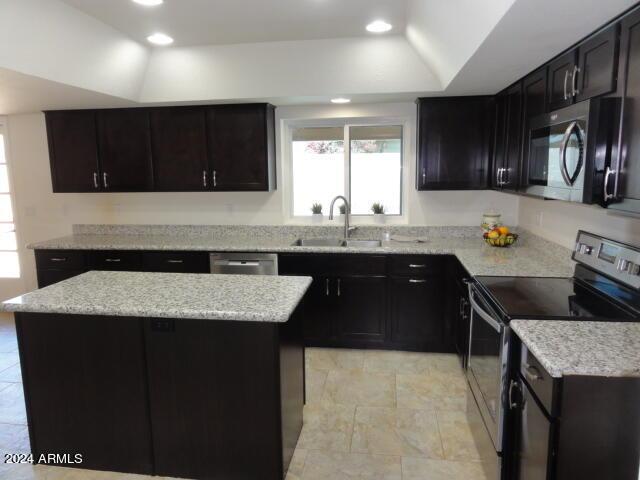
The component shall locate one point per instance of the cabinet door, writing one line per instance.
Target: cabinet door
(241, 147)
(49, 276)
(624, 185)
(85, 383)
(317, 311)
(125, 150)
(535, 440)
(454, 143)
(561, 72)
(534, 103)
(417, 312)
(360, 309)
(598, 64)
(179, 146)
(73, 151)
(500, 140)
(511, 173)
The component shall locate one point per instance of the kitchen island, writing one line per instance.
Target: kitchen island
(185, 375)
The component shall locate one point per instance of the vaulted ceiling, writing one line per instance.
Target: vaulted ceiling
(83, 53)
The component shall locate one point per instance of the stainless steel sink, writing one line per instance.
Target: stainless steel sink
(335, 242)
(363, 243)
(319, 242)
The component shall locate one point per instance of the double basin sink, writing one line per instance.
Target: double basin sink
(336, 242)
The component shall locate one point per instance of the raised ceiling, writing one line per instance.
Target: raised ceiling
(216, 22)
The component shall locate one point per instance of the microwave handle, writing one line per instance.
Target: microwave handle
(563, 154)
(484, 315)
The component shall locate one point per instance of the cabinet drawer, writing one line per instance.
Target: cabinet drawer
(359, 265)
(417, 264)
(49, 276)
(541, 383)
(60, 259)
(322, 264)
(182, 262)
(115, 260)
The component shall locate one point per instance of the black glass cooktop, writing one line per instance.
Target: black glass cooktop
(526, 297)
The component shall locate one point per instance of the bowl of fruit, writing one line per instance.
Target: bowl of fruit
(500, 237)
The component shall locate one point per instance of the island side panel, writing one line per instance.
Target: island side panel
(292, 383)
(215, 398)
(85, 385)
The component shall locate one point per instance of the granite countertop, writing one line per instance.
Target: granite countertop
(255, 298)
(536, 257)
(607, 349)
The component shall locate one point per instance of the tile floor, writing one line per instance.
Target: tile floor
(370, 415)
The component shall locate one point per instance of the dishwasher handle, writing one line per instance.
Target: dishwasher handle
(244, 263)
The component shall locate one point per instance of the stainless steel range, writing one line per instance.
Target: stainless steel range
(605, 287)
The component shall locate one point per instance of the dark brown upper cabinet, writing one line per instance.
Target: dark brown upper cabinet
(73, 150)
(500, 139)
(508, 139)
(534, 103)
(561, 73)
(125, 150)
(454, 142)
(179, 147)
(598, 64)
(242, 147)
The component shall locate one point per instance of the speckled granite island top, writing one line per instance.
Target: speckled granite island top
(566, 348)
(255, 298)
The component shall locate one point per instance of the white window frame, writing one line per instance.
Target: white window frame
(5, 136)
(290, 125)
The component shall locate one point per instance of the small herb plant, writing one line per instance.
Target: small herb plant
(316, 208)
(343, 209)
(377, 208)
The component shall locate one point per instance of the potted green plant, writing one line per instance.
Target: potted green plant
(378, 212)
(316, 213)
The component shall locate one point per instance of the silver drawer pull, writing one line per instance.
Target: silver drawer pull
(113, 260)
(327, 292)
(414, 280)
(175, 261)
(532, 373)
(58, 259)
(415, 265)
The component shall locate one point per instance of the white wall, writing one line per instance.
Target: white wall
(42, 215)
(560, 221)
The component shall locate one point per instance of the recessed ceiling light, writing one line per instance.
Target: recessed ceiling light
(379, 26)
(340, 100)
(149, 3)
(160, 39)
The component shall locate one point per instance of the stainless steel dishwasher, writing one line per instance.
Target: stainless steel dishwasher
(244, 263)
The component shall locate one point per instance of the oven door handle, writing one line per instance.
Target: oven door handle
(485, 316)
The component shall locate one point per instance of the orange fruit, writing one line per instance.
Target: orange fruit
(503, 230)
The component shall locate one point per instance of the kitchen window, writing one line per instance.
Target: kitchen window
(9, 263)
(361, 162)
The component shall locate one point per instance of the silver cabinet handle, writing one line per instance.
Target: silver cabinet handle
(338, 287)
(175, 261)
(566, 77)
(58, 259)
(215, 181)
(113, 260)
(424, 175)
(327, 291)
(498, 172)
(415, 280)
(204, 178)
(416, 265)
(95, 180)
(532, 373)
(104, 180)
(608, 196)
(512, 404)
(574, 80)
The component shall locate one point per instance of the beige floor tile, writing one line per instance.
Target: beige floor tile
(392, 431)
(12, 404)
(327, 427)
(381, 361)
(14, 439)
(334, 359)
(314, 384)
(351, 466)
(8, 342)
(464, 437)
(297, 464)
(11, 374)
(8, 360)
(434, 390)
(428, 469)
(365, 389)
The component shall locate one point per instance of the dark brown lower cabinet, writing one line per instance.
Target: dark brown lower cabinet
(85, 385)
(417, 313)
(317, 307)
(49, 276)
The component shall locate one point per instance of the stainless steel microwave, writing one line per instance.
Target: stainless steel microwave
(567, 151)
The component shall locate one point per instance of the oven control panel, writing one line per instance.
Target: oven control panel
(611, 258)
